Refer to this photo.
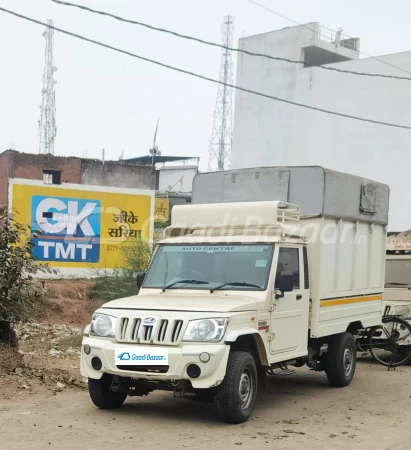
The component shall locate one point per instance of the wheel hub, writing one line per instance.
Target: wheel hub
(245, 390)
(348, 361)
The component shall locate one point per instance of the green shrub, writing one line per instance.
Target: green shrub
(121, 282)
(20, 294)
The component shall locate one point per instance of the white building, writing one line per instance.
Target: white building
(269, 132)
(174, 174)
(177, 178)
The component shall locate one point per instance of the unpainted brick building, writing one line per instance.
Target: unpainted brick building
(59, 170)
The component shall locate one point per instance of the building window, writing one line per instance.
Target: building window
(52, 176)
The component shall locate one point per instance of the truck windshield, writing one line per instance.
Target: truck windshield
(206, 267)
(398, 272)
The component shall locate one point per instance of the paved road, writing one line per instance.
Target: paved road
(297, 412)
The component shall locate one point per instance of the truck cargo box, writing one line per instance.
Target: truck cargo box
(317, 191)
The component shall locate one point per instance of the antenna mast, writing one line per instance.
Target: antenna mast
(219, 153)
(47, 122)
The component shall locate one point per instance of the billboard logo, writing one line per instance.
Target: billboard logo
(68, 229)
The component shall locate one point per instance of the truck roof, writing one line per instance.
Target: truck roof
(316, 190)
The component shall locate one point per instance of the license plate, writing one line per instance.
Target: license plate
(141, 356)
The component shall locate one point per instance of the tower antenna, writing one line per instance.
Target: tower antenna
(220, 146)
(47, 121)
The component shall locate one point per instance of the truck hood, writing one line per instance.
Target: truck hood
(185, 302)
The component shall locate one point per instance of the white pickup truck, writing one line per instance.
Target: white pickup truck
(244, 284)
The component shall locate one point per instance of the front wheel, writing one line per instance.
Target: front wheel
(102, 395)
(341, 359)
(237, 393)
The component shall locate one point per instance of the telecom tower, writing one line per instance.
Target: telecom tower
(219, 154)
(47, 122)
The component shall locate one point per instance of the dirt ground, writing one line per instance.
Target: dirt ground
(68, 302)
(44, 401)
(298, 411)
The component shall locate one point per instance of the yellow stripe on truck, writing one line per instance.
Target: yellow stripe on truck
(349, 300)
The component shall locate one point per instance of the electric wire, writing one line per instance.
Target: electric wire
(308, 28)
(158, 63)
(214, 44)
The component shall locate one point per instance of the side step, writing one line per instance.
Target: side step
(281, 370)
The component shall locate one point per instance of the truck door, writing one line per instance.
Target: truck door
(289, 316)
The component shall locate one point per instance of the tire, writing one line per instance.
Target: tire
(341, 360)
(237, 393)
(102, 395)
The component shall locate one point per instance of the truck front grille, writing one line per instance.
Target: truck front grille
(149, 330)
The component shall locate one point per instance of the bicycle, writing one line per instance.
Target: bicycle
(389, 343)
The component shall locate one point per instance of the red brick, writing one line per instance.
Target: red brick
(4, 158)
(31, 167)
(73, 170)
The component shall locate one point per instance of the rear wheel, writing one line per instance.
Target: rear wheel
(341, 360)
(102, 395)
(237, 393)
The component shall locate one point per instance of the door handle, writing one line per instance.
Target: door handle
(299, 297)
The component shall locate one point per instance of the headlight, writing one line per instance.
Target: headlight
(205, 330)
(103, 325)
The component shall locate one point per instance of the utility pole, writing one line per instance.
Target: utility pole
(47, 121)
(220, 146)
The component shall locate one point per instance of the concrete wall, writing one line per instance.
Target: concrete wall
(99, 235)
(112, 173)
(177, 178)
(268, 132)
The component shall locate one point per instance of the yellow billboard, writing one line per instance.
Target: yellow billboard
(162, 210)
(79, 226)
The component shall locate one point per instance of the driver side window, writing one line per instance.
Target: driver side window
(288, 261)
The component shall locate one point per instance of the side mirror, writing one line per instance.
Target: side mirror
(286, 283)
(140, 279)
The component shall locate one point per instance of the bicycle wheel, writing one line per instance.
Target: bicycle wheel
(390, 343)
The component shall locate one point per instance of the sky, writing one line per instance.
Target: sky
(112, 101)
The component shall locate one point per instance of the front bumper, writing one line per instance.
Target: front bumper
(212, 372)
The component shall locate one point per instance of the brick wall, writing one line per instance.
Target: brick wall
(73, 170)
(4, 168)
(31, 167)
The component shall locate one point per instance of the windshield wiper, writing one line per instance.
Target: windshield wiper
(167, 286)
(234, 283)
